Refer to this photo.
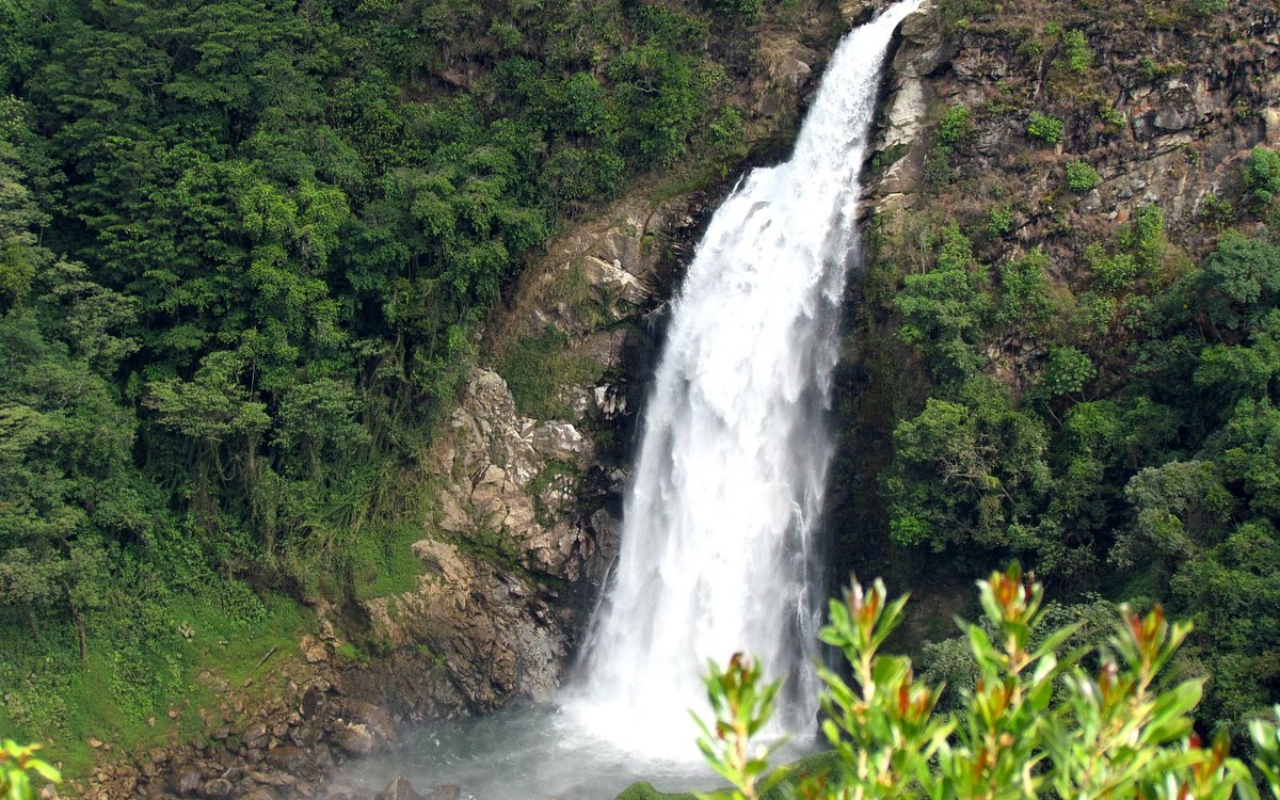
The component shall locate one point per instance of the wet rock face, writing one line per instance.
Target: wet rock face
(493, 631)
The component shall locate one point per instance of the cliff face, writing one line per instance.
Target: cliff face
(1161, 103)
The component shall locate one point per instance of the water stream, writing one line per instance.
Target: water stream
(718, 547)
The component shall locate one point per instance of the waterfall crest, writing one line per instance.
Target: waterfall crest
(717, 548)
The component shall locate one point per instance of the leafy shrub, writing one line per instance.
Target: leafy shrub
(1081, 177)
(1207, 8)
(956, 124)
(750, 8)
(1039, 720)
(1079, 56)
(938, 171)
(1067, 372)
(1262, 175)
(1044, 127)
(1001, 221)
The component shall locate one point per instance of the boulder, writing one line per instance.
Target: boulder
(313, 650)
(255, 737)
(186, 779)
(218, 787)
(399, 789)
(293, 760)
(355, 739)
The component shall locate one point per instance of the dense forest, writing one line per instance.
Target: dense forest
(249, 248)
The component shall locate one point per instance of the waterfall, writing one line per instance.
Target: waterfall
(718, 553)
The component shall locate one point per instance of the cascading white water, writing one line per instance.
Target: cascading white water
(716, 545)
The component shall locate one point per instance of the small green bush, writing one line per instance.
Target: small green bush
(956, 124)
(1001, 221)
(938, 170)
(1044, 127)
(1079, 56)
(1262, 175)
(1207, 8)
(1081, 177)
(750, 8)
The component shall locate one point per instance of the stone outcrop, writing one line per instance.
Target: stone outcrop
(1164, 117)
(923, 49)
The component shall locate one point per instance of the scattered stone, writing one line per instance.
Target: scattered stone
(273, 778)
(312, 702)
(293, 760)
(255, 736)
(376, 719)
(313, 650)
(218, 787)
(186, 779)
(445, 792)
(399, 789)
(356, 740)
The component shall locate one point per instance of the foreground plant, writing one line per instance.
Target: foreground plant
(1078, 725)
(742, 705)
(15, 762)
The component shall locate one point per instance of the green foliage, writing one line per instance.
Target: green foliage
(1039, 719)
(245, 251)
(956, 125)
(1026, 299)
(1207, 8)
(1078, 54)
(742, 707)
(1262, 175)
(15, 762)
(1044, 127)
(944, 308)
(1001, 221)
(538, 370)
(1240, 282)
(968, 470)
(1081, 177)
(1067, 372)
(938, 171)
(750, 8)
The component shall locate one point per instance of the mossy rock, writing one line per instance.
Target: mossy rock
(645, 791)
(809, 766)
